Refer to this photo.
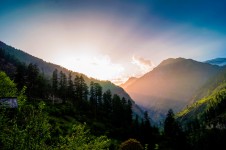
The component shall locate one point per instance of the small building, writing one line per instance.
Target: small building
(10, 102)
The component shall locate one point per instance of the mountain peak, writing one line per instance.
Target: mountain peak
(170, 85)
(217, 61)
(129, 82)
(170, 61)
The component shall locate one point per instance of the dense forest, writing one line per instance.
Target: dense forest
(64, 112)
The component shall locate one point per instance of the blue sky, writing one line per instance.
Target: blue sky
(115, 39)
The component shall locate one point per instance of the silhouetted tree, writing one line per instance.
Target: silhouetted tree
(55, 82)
(80, 91)
(20, 76)
(107, 104)
(70, 89)
(63, 86)
(32, 80)
(173, 133)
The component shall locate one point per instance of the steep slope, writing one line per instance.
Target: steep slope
(217, 61)
(209, 111)
(48, 68)
(170, 85)
(210, 85)
(130, 81)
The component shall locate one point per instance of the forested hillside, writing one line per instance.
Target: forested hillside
(205, 119)
(12, 57)
(63, 102)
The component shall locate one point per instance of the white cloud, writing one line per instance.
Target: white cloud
(145, 65)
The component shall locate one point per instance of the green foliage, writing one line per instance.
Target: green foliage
(81, 139)
(7, 86)
(29, 127)
(131, 144)
(205, 120)
(210, 99)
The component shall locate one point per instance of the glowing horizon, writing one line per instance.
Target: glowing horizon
(109, 40)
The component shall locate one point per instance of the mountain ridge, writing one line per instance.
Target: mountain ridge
(170, 85)
(130, 81)
(217, 61)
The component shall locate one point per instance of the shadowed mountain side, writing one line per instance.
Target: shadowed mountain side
(171, 84)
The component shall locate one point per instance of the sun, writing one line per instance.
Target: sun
(93, 65)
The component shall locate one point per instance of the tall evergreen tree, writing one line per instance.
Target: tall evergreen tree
(55, 82)
(92, 99)
(63, 85)
(20, 76)
(117, 110)
(32, 80)
(170, 125)
(95, 98)
(174, 135)
(146, 130)
(70, 89)
(107, 103)
(129, 112)
(98, 98)
(80, 91)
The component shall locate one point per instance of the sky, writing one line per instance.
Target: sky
(115, 39)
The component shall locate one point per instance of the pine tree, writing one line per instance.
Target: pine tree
(107, 104)
(173, 132)
(70, 89)
(80, 91)
(147, 131)
(129, 112)
(117, 110)
(32, 80)
(170, 125)
(54, 85)
(55, 82)
(20, 76)
(98, 99)
(62, 85)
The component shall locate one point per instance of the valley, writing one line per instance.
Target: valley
(198, 104)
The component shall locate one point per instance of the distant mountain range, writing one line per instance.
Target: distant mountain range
(172, 84)
(48, 68)
(217, 61)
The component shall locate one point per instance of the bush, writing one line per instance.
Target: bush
(131, 144)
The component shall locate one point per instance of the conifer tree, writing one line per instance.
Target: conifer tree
(62, 85)
(173, 132)
(70, 89)
(55, 82)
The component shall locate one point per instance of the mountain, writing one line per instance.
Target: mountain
(217, 61)
(130, 81)
(209, 111)
(48, 68)
(170, 85)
